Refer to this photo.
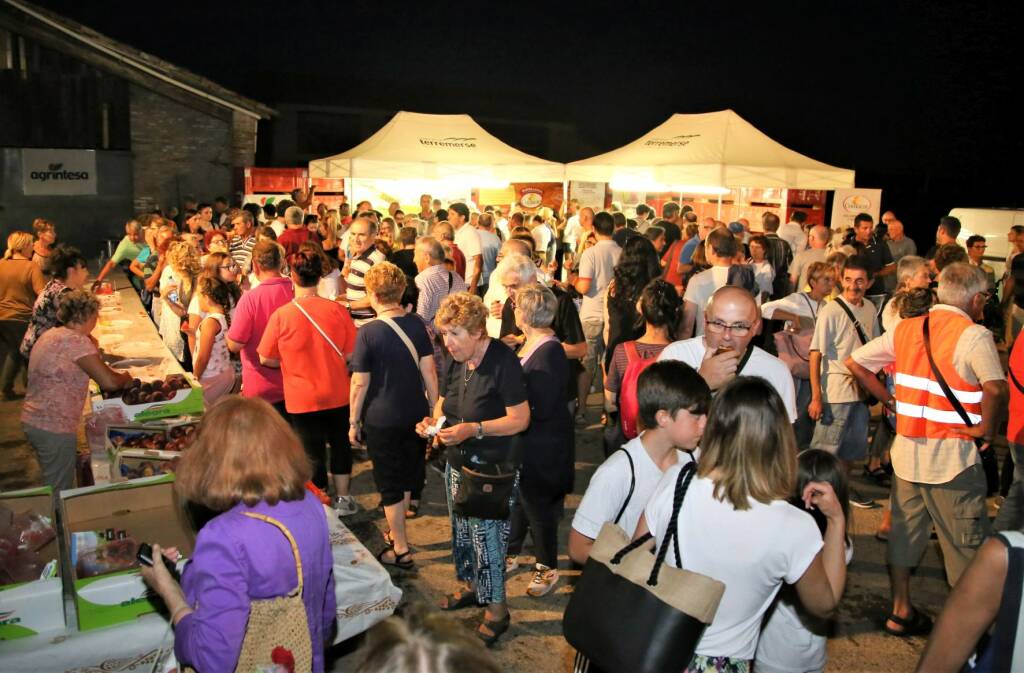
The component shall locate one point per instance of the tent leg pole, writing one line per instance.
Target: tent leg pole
(719, 215)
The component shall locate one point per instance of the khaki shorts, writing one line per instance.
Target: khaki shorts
(957, 508)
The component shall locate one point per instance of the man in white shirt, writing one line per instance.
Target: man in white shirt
(490, 244)
(837, 402)
(594, 273)
(468, 240)
(792, 232)
(720, 248)
(818, 239)
(542, 237)
(725, 351)
(644, 217)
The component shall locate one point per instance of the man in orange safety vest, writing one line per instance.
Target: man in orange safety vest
(950, 394)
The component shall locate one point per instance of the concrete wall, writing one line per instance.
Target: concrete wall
(82, 221)
(178, 151)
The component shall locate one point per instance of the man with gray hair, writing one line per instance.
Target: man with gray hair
(949, 398)
(296, 232)
(516, 271)
(818, 238)
(434, 281)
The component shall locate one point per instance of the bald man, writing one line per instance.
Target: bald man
(900, 245)
(725, 350)
(817, 238)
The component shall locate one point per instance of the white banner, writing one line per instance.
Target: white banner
(58, 172)
(588, 194)
(848, 203)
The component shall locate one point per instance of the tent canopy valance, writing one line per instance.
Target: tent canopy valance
(707, 152)
(414, 146)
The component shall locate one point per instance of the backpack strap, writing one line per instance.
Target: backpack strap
(632, 485)
(632, 354)
(856, 323)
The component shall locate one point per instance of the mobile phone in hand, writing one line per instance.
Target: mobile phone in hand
(145, 557)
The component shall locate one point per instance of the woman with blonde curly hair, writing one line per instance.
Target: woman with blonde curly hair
(21, 281)
(483, 406)
(392, 355)
(177, 285)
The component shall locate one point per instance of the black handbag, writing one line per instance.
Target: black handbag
(485, 491)
(630, 612)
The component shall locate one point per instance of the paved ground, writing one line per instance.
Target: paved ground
(534, 644)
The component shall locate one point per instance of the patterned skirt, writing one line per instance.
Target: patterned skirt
(479, 546)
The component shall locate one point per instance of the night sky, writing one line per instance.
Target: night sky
(917, 97)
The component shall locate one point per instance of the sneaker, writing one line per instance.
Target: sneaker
(511, 564)
(345, 505)
(544, 580)
(859, 501)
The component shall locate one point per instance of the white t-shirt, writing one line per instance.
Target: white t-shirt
(468, 240)
(571, 234)
(778, 544)
(765, 365)
(793, 233)
(835, 337)
(610, 485)
(701, 287)
(328, 286)
(542, 239)
(278, 227)
(598, 264)
(791, 639)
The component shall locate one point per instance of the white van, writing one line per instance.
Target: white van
(992, 223)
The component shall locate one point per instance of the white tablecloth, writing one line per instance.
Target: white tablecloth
(363, 588)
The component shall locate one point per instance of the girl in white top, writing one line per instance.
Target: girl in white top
(211, 361)
(736, 524)
(673, 401)
(793, 641)
(800, 309)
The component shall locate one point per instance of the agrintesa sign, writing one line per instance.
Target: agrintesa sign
(58, 172)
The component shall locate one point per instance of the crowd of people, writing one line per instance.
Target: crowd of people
(475, 342)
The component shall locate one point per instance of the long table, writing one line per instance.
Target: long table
(363, 589)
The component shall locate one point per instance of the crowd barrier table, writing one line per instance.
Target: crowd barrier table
(363, 589)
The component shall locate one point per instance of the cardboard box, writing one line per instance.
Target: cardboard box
(137, 463)
(33, 607)
(149, 511)
(185, 402)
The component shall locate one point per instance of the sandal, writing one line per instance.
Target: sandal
(918, 624)
(496, 629)
(459, 600)
(407, 564)
(413, 511)
(389, 539)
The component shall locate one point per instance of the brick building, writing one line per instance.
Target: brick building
(143, 132)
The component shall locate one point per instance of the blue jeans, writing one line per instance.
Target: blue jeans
(804, 425)
(842, 430)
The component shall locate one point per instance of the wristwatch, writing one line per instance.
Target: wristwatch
(479, 430)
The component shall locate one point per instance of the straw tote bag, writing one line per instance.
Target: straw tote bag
(630, 612)
(277, 633)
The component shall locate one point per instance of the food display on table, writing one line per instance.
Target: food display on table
(102, 552)
(143, 401)
(146, 392)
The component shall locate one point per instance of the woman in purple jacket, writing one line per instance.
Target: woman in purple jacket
(245, 459)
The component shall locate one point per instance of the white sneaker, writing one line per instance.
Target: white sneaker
(511, 563)
(345, 505)
(544, 580)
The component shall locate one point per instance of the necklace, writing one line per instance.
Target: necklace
(472, 371)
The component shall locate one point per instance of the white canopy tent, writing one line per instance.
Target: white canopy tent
(710, 153)
(426, 147)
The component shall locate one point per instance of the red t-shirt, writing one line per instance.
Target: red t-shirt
(291, 239)
(315, 377)
(1015, 423)
(460, 260)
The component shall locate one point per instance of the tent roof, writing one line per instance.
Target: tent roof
(714, 149)
(433, 147)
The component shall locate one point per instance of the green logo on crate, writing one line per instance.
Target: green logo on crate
(132, 601)
(7, 618)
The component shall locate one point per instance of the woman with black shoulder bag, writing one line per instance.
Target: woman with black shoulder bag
(482, 406)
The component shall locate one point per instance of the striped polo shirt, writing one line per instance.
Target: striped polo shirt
(356, 285)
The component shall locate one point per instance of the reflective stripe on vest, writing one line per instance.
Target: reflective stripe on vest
(922, 410)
